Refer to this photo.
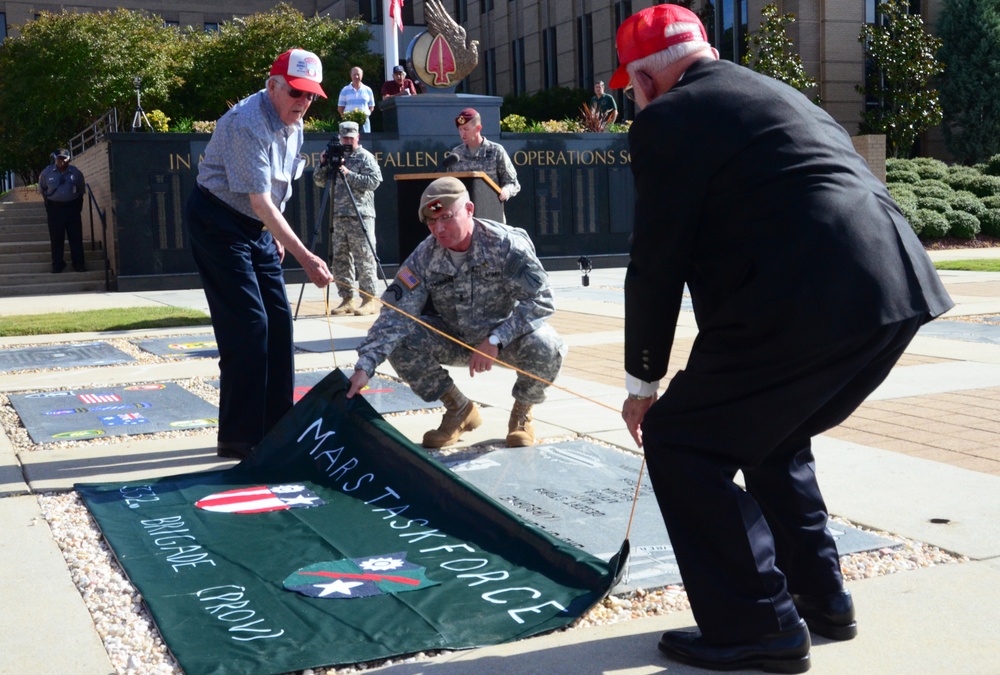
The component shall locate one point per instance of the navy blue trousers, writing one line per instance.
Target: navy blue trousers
(65, 223)
(741, 553)
(245, 289)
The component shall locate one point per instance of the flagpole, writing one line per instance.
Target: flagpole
(389, 34)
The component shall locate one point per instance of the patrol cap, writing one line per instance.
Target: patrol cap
(302, 70)
(439, 195)
(62, 152)
(398, 69)
(349, 129)
(642, 34)
(466, 116)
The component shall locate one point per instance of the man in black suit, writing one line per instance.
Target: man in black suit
(807, 285)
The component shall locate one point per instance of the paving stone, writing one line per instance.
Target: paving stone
(582, 493)
(68, 355)
(184, 347)
(79, 414)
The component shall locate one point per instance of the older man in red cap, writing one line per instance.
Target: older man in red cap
(239, 237)
(476, 153)
(807, 284)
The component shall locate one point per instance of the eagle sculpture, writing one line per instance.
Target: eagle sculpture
(465, 53)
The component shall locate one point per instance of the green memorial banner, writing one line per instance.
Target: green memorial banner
(337, 542)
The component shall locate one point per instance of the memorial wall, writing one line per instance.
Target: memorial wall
(576, 199)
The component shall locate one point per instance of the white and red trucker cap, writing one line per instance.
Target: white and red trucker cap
(302, 70)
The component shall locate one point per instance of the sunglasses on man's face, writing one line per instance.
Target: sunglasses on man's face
(298, 93)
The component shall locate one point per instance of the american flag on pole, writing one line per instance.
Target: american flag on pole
(396, 11)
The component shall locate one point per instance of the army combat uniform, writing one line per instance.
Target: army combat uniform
(500, 289)
(491, 159)
(351, 248)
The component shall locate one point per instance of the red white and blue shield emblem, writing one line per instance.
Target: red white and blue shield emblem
(260, 499)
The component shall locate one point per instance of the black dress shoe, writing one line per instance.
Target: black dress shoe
(233, 449)
(80, 268)
(830, 615)
(783, 652)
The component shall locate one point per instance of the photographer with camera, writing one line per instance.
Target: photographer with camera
(352, 230)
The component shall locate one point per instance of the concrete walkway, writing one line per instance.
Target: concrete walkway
(940, 486)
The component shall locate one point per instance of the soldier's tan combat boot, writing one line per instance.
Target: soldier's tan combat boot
(520, 432)
(368, 306)
(461, 415)
(346, 306)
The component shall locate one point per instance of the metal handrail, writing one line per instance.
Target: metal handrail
(102, 214)
(92, 135)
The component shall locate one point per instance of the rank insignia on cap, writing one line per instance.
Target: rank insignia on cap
(408, 278)
(434, 207)
(460, 120)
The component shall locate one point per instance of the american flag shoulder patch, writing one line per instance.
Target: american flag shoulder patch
(408, 278)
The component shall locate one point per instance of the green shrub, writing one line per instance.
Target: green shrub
(934, 169)
(184, 125)
(990, 222)
(933, 188)
(992, 166)
(992, 202)
(967, 202)
(980, 185)
(962, 225)
(549, 104)
(902, 176)
(934, 204)
(514, 123)
(932, 225)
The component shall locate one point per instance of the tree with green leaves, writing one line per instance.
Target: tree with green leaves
(64, 70)
(771, 52)
(228, 65)
(903, 61)
(970, 89)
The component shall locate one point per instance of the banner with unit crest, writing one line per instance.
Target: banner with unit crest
(337, 542)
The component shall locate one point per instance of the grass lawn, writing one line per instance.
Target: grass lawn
(101, 320)
(984, 265)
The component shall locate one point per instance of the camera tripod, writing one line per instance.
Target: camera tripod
(139, 119)
(314, 236)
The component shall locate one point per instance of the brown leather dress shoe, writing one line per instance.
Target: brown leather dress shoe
(783, 652)
(830, 615)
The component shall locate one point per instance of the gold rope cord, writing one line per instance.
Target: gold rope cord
(642, 466)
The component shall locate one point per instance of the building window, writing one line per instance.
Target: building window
(517, 65)
(211, 26)
(370, 10)
(485, 6)
(727, 28)
(461, 11)
(3, 26)
(172, 24)
(491, 72)
(623, 10)
(585, 51)
(626, 107)
(550, 70)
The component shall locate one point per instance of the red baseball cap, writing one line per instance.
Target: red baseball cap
(302, 70)
(642, 34)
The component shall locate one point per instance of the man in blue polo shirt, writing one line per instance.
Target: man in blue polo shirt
(239, 237)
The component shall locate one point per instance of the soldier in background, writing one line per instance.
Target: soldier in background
(479, 154)
(353, 240)
(490, 292)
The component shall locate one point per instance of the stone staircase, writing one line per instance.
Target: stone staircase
(26, 258)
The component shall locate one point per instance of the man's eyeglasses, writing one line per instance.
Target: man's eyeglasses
(444, 220)
(298, 93)
(629, 92)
